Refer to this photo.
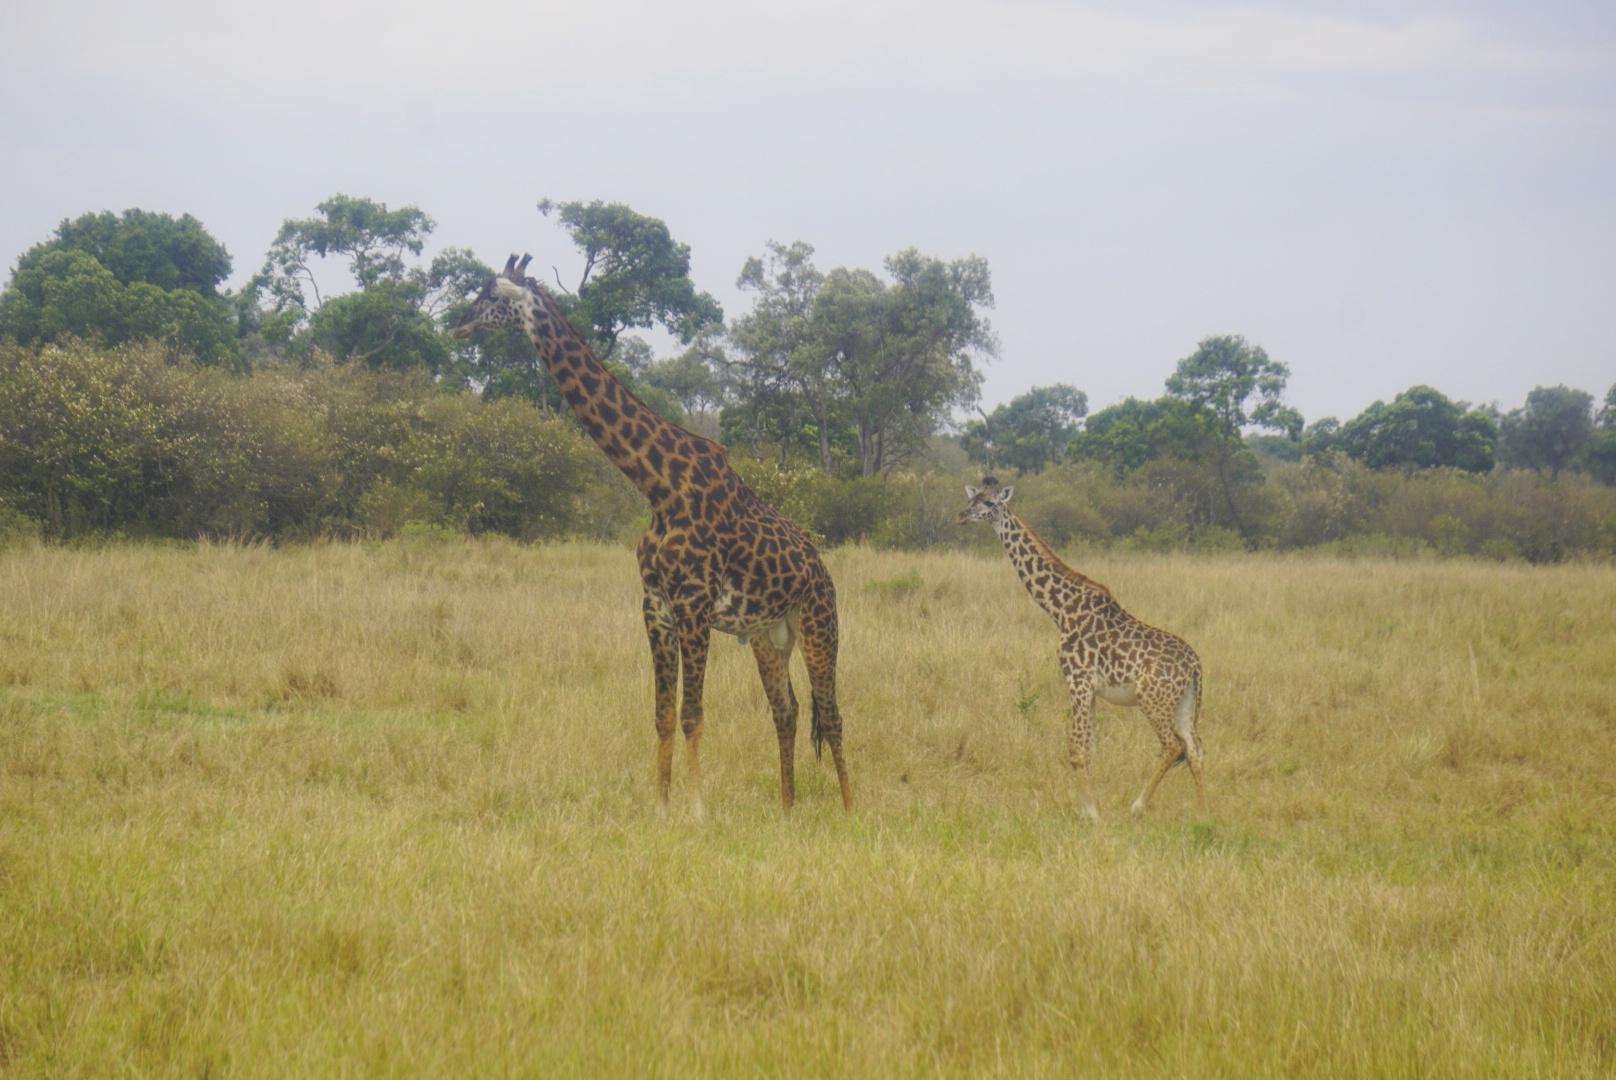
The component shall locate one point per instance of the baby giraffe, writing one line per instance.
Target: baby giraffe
(1103, 650)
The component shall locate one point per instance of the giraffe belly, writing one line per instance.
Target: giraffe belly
(1119, 694)
(729, 619)
(748, 629)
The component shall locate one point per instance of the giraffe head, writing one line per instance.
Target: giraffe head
(501, 303)
(987, 502)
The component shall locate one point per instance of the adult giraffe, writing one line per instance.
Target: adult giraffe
(715, 557)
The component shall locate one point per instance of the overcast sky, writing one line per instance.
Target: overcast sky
(1379, 193)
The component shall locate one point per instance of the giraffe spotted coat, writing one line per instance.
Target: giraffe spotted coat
(716, 557)
(1103, 651)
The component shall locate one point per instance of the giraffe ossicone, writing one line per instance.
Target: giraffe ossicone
(1104, 651)
(716, 557)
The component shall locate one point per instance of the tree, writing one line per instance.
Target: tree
(635, 275)
(903, 355)
(110, 279)
(1029, 432)
(1225, 374)
(1420, 429)
(691, 378)
(394, 319)
(1550, 431)
(138, 245)
(1240, 386)
(373, 238)
(853, 357)
(784, 372)
(1129, 435)
(1179, 447)
(1601, 452)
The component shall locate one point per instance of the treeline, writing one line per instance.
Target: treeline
(140, 398)
(127, 442)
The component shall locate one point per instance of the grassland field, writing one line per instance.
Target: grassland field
(386, 809)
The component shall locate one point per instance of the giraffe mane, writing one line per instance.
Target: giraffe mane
(1060, 565)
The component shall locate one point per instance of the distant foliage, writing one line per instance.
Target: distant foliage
(1420, 429)
(129, 442)
(635, 276)
(124, 441)
(138, 399)
(1238, 383)
(115, 278)
(1030, 431)
(863, 369)
(394, 319)
(1600, 455)
(1550, 432)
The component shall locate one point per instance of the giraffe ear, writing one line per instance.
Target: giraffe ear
(1005, 493)
(971, 490)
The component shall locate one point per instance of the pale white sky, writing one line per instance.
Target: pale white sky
(1379, 193)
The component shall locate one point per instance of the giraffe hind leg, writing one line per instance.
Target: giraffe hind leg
(1171, 755)
(774, 667)
(1188, 715)
(1174, 724)
(817, 624)
(665, 660)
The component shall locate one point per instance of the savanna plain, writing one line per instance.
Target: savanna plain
(357, 809)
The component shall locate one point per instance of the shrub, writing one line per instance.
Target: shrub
(123, 441)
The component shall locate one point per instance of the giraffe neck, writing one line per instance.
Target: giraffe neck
(657, 456)
(1048, 579)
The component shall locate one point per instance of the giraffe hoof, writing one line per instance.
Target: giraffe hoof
(1091, 814)
(696, 811)
(1136, 811)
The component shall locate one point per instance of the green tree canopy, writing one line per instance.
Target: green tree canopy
(692, 378)
(1030, 431)
(394, 318)
(1550, 431)
(1239, 386)
(635, 275)
(1601, 453)
(783, 375)
(138, 245)
(903, 355)
(370, 237)
(1129, 435)
(1420, 429)
(1180, 449)
(848, 352)
(110, 279)
(1239, 383)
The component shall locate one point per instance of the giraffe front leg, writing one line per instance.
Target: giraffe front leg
(694, 638)
(659, 629)
(774, 667)
(1080, 740)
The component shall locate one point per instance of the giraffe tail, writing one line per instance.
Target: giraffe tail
(818, 732)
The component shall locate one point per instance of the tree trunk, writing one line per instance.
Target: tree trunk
(1222, 469)
(822, 420)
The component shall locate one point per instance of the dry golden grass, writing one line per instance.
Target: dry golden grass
(387, 809)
